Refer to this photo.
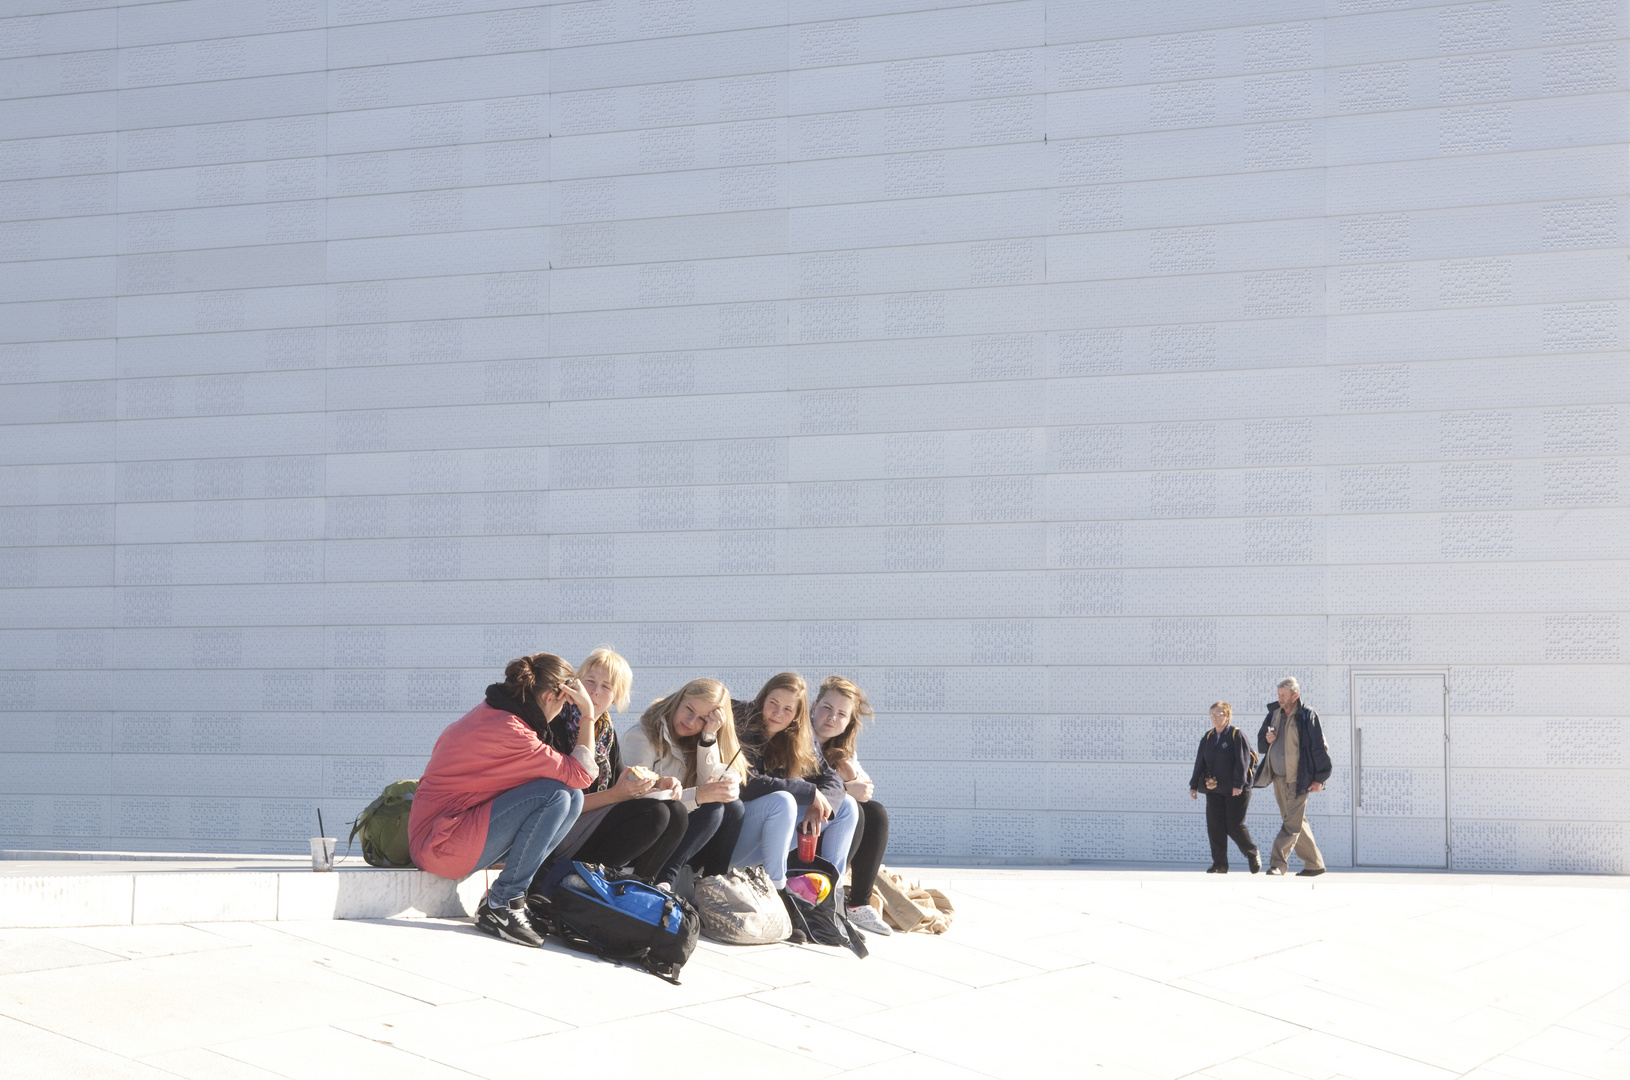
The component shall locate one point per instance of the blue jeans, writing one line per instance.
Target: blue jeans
(766, 834)
(768, 829)
(839, 834)
(527, 822)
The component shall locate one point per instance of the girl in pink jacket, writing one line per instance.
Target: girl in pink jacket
(494, 790)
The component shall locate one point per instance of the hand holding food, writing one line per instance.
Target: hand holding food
(632, 784)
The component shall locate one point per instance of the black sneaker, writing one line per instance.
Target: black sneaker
(511, 923)
(1256, 863)
(1310, 872)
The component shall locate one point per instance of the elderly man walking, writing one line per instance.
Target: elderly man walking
(1297, 763)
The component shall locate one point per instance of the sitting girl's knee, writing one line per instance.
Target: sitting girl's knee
(782, 804)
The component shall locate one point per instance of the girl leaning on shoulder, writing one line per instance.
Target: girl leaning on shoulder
(631, 817)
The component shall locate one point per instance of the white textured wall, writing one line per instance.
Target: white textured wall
(1051, 368)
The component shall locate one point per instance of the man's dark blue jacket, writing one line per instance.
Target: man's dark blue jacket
(1313, 755)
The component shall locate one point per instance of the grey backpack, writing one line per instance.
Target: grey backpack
(741, 907)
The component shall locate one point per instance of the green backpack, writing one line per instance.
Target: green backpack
(383, 826)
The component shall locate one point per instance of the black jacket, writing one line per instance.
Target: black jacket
(803, 789)
(1227, 757)
(1313, 754)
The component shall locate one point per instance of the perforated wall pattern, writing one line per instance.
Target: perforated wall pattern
(1051, 368)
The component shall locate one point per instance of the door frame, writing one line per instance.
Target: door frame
(1355, 749)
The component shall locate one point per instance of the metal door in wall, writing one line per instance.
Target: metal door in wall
(1400, 768)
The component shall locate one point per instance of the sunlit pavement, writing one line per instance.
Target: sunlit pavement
(1049, 972)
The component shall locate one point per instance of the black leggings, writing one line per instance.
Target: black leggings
(866, 851)
(641, 833)
(708, 841)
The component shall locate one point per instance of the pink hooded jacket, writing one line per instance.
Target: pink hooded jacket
(477, 758)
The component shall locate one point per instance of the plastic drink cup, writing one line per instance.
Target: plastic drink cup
(322, 854)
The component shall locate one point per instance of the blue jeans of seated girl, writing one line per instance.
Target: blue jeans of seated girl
(768, 833)
(767, 824)
(839, 834)
(527, 822)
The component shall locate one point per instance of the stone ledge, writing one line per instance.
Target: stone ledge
(48, 900)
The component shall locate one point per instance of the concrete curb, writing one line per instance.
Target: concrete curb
(137, 899)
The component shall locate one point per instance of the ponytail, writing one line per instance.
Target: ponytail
(530, 677)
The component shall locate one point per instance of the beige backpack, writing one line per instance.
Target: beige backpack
(911, 908)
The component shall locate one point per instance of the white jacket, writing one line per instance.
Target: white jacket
(861, 776)
(637, 751)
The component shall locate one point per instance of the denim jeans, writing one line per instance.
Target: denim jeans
(526, 824)
(839, 834)
(767, 823)
(768, 833)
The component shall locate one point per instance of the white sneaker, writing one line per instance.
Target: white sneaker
(866, 918)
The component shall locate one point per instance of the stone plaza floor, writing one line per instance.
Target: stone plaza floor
(1143, 972)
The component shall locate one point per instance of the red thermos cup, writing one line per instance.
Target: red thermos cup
(808, 841)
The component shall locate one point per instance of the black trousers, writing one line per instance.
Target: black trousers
(709, 839)
(866, 851)
(1225, 818)
(641, 833)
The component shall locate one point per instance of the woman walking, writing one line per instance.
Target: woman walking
(1222, 769)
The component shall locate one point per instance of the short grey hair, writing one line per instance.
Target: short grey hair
(1290, 681)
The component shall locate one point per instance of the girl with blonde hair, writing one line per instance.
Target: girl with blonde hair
(840, 709)
(789, 784)
(629, 818)
(689, 739)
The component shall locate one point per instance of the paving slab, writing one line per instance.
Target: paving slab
(1130, 973)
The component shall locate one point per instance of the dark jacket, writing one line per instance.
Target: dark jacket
(803, 789)
(1313, 754)
(1227, 757)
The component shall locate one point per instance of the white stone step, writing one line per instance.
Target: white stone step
(59, 891)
